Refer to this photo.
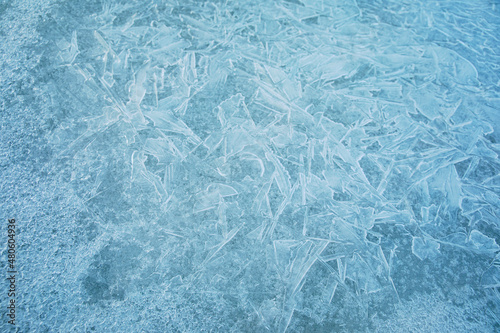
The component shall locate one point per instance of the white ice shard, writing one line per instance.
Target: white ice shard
(482, 243)
(425, 248)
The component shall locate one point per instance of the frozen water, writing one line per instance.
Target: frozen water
(252, 166)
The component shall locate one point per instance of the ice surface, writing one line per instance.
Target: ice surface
(425, 248)
(268, 166)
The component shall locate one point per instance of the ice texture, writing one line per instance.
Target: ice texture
(252, 166)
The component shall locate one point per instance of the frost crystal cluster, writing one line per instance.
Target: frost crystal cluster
(253, 166)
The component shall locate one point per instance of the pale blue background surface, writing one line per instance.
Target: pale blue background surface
(252, 166)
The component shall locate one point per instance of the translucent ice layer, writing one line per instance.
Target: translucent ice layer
(260, 166)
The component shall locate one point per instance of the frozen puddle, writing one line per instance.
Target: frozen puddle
(253, 166)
